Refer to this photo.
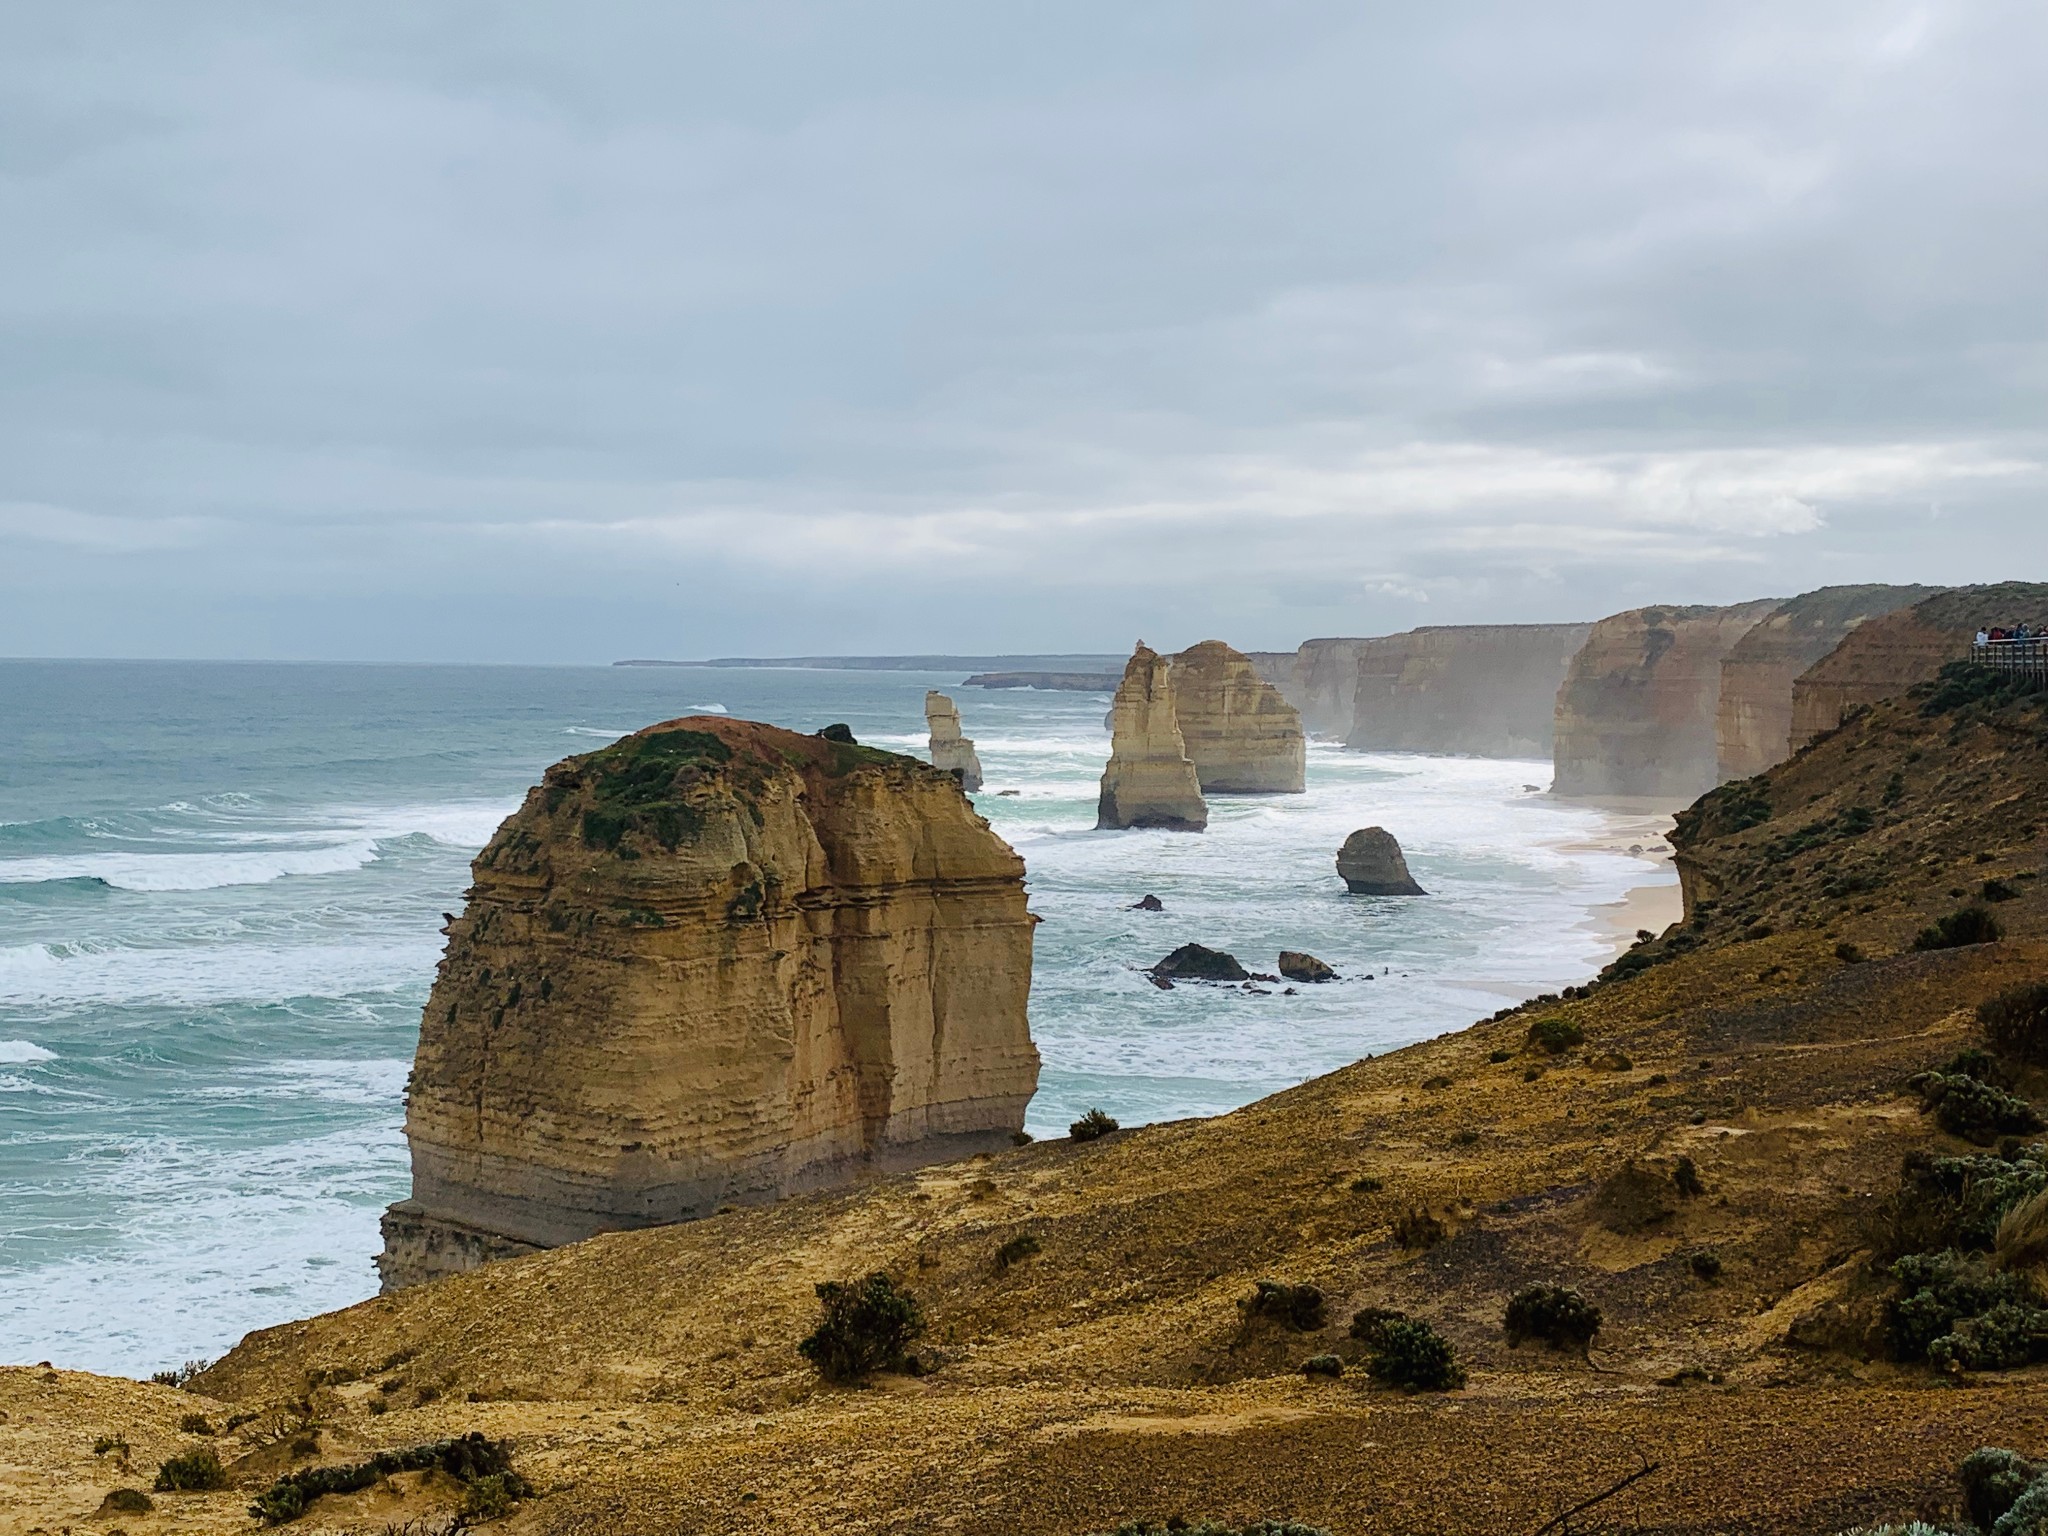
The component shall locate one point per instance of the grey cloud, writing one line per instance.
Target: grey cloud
(676, 330)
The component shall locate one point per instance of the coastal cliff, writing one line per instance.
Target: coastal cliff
(1149, 780)
(1753, 725)
(1637, 711)
(1713, 1147)
(1241, 735)
(1886, 655)
(951, 752)
(1485, 689)
(711, 964)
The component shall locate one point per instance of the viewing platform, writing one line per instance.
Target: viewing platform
(2025, 658)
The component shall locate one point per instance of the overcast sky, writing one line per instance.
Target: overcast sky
(506, 331)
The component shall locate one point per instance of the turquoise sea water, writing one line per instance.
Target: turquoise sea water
(221, 887)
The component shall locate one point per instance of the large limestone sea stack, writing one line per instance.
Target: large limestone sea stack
(951, 752)
(1241, 735)
(715, 962)
(1371, 864)
(1149, 781)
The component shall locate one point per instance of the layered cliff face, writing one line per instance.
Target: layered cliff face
(711, 964)
(1149, 780)
(1485, 689)
(1323, 682)
(1753, 727)
(1241, 735)
(951, 752)
(1887, 655)
(1637, 711)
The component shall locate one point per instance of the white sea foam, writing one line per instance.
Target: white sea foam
(709, 709)
(197, 974)
(22, 1051)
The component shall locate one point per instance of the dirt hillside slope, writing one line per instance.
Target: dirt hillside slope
(649, 1381)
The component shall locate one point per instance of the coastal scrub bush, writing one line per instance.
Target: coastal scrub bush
(1996, 889)
(1092, 1126)
(1973, 924)
(1975, 1110)
(2021, 1241)
(126, 1501)
(1685, 1178)
(2016, 1023)
(1369, 1323)
(1322, 1365)
(1940, 1292)
(1300, 1307)
(195, 1424)
(1993, 1479)
(1416, 1229)
(1555, 1035)
(1706, 1265)
(192, 1472)
(1414, 1356)
(868, 1325)
(1960, 684)
(1556, 1315)
(179, 1376)
(482, 1465)
(1016, 1250)
(115, 1443)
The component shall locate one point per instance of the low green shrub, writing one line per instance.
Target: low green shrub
(1016, 1250)
(197, 1471)
(126, 1501)
(1556, 1315)
(2016, 1023)
(1555, 1035)
(472, 1459)
(1322, 1365)
(1416, 1229)
(868, 1326)
(1685, 1175)
(195, 1424)
(1940, 1292)
(1369, 1323)
(1300, 1307)
(1414, 1356)
(1092, 1126)
(1366, 1184)
(1993, 1480)
(1973, 924)
(1975, 1110)
(1706, 1264)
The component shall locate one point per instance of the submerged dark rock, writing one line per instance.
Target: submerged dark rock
(1148, 903)
(1196, 962)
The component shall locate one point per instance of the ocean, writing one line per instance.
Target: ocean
(221, 889)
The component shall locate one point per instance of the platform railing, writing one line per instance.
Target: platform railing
(2024, 658)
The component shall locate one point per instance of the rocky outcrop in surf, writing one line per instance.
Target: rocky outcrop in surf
(951, 752)
(1489, 690)
(1371, 864)
(713, 963)
(1149, 780)
(1637, 712)
(1887, 655)
(1753, 725)
(1241, 735)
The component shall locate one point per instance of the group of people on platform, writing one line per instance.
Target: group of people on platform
(2017, 632)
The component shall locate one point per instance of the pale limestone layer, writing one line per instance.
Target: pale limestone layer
(1888, 655)
(1753, 724)
(1636, 714)
(1324, 684)
(1485, 689)
(951, 752)
(1241, 735)
(715, 963)
(1149, 780)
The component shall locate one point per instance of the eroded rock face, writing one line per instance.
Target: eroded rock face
(1486, 689)
(1371, 864)
(1241, 735)
(1753, 725)
(951, 752)
(1637, 712)
(1888, 655)
(1323, 683)
(1149, 780)
(713, 963)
